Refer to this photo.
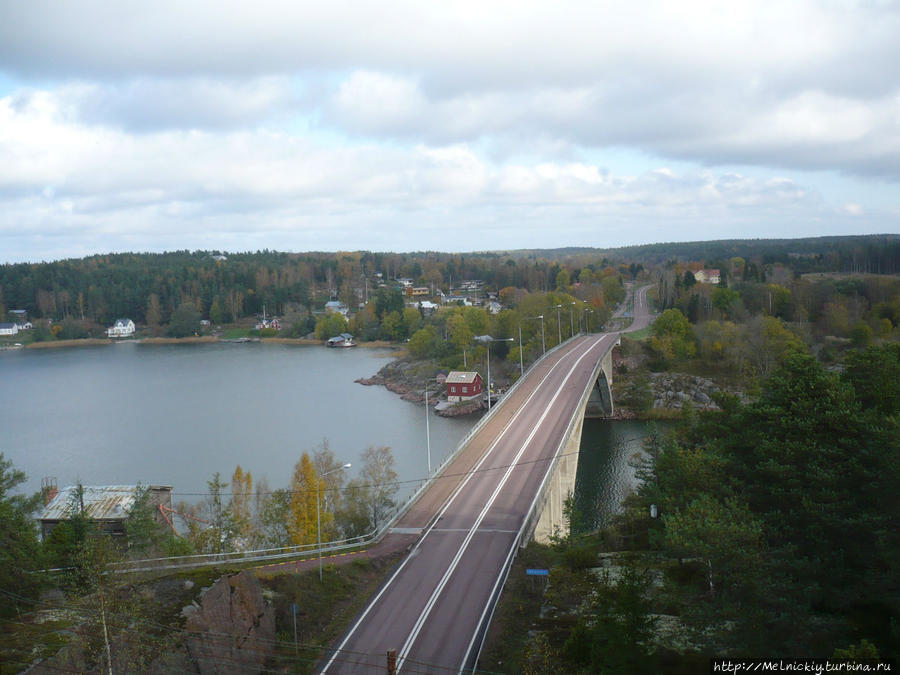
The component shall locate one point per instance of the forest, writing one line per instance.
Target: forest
(765, 523)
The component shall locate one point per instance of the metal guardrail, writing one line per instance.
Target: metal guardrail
(540, 499)
(309, 550)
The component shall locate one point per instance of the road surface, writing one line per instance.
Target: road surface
(435, 607)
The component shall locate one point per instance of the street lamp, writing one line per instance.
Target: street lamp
(543, 342)
(318, 518)
(532, 318)
(571, 322)
(428, 427)
(488, 339)
(558, 324)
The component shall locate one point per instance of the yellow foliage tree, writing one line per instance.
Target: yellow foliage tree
(304, 482)
(241, 495)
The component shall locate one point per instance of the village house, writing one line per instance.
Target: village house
(121, 328)
(9, 329)
(335, 306)
(268, 323)
(106, 505)
(463, 385)
(427, 307)
(707, 276)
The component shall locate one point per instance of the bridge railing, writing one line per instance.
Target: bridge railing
(305, 551)
(542, 495)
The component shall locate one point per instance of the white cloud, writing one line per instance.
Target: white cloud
(329, 121)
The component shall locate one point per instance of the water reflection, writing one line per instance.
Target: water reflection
(606, 467)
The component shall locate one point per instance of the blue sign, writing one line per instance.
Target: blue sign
(537, 572)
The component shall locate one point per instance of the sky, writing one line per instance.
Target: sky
(454, 126)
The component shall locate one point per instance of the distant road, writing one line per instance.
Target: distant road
(436, 606)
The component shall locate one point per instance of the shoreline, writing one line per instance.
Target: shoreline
(201, 339)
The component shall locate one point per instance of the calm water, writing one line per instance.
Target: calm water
(175, 414)
(609, 450)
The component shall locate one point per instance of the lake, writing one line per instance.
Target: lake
(131, 413)
(175, 414)
(606, 466)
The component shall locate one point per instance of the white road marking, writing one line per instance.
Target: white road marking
(458, 489)
(401, 657)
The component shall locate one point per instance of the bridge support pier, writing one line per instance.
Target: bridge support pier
(561, 484)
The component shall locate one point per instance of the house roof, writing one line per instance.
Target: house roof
(122, 322)
(8, 325)
(461, 377)
(101, 502)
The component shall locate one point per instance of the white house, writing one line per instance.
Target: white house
(336, 306)
(122, 328)
(710, 276)
(8, 329)
(426, 306)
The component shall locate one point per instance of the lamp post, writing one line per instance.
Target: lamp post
(571, 322)
(488, 339)
(543, 342)
(541, 317)
(428, 428)
(318, 518)
(558, 324)
(521, 363)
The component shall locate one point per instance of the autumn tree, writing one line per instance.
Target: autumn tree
(304, 485)
(369, 499)
(330, 324)
(241, 501)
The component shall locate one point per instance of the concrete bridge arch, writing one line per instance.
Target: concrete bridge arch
(547, 518)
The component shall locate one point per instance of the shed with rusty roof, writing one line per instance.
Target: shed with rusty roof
(106, 505)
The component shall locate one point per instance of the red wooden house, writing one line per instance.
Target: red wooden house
(462, 385)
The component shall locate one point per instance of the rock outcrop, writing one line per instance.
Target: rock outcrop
(232, 630)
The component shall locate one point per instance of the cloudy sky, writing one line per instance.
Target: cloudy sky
(149, 126)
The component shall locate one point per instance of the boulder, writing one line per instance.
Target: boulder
(234, 629)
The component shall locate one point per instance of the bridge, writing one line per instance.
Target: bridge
(505, 485)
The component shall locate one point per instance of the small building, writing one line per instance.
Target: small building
(463, 385)
(335, 306)
(710, 276)
(427, 307)
(342, 340)
(121, 328)
(9, 329)
(262, 324)
(421, 291)
(106, 505)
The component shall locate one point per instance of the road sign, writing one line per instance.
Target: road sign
(537, 572)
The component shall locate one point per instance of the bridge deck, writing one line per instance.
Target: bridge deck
(435, 607)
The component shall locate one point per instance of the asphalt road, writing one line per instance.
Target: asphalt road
(435, 607)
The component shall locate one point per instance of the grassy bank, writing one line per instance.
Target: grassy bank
(54, 344)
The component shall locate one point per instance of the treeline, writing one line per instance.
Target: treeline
(758, 308)
(224, 288)
(785, 507)
(865, 254)
(764, 529)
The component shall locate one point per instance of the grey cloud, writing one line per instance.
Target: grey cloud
(151, 105)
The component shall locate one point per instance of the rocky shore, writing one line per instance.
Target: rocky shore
(407, 378)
